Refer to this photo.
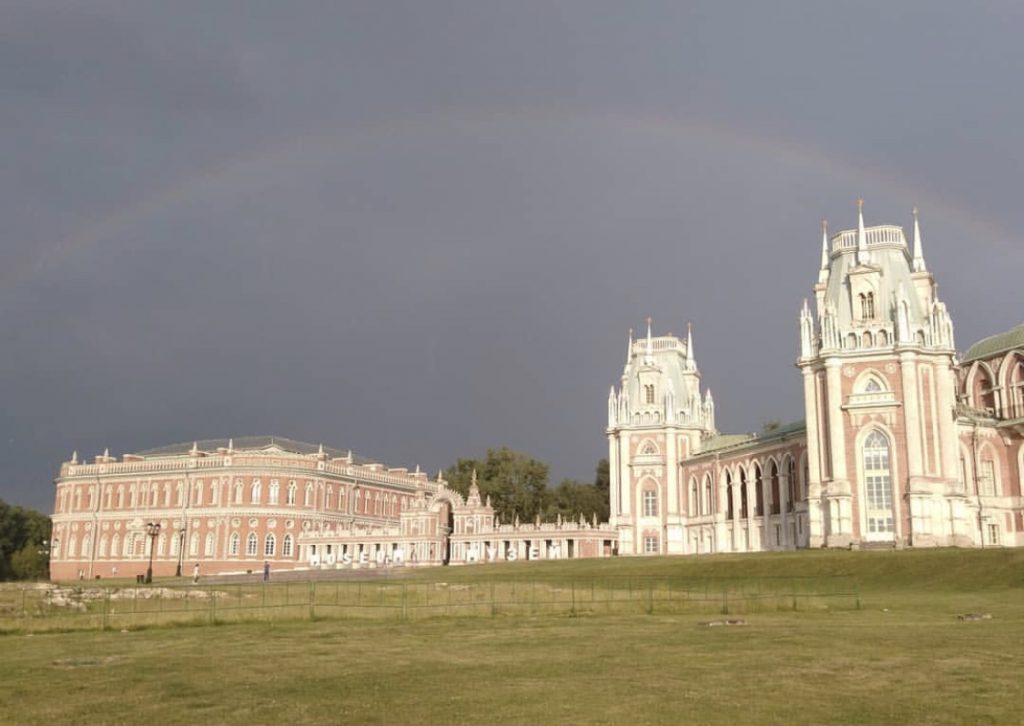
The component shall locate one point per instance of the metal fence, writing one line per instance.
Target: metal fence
(53, 607)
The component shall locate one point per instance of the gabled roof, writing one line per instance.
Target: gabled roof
(995, 344)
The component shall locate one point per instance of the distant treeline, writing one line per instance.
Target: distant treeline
(24, 543)
(517, 485)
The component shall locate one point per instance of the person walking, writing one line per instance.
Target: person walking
(266, 571)
(195, 574)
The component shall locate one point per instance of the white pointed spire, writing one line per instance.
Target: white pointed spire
(74, 456)
(629, 345)
(918, 249)
(649, 360)
(231, 444)
(106, 453)
(195, 448)
(691, 358)
(823, 270)
(863, 257)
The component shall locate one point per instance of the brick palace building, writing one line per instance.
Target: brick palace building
(904, 443)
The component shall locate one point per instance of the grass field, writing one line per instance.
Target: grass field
(903, 657)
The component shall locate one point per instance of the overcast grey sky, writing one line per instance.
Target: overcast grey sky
(420, 229)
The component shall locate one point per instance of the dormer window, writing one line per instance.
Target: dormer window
(867, 306)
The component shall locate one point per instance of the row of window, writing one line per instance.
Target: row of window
(363, 502)
(137, 544)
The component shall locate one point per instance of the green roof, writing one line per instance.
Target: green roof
(995, 344)
(731, 441)
(248, 443)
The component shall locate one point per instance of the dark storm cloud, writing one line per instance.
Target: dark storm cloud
(421, 229)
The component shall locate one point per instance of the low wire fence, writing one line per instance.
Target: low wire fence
(60, 607)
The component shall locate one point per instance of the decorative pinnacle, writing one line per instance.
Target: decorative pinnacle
(860, 205)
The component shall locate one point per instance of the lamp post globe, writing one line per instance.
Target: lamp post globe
(152, 529)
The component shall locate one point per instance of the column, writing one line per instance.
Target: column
(814, 524)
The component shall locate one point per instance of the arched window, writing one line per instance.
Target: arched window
(650, 501)
(867, 306)
(213, 493)
(193, 544)
(709, 500)
(743, 493)
(87, 545)
(851, 341)
(275, 489)
(694, 498)
(161, 545)
(175, 544)
(180, 493)
(120, 497)
(758, 492)
(793, 484)
(868, 339)
(286, 546)
(730, 511)
(327, 497)
(649, 449)
(987, 477)
(131, 497)
(103, 546)
(878, 486)
(167, 494)
(199, 493)
(308, 501)
(291, 492)
(72, 547)
(883, 338)
(255, 492)
(238, 491)
(872, 386)
(252, 544)
(115, 546)
(269, 545)
(649, 393)
(233, 543)
(774, 507)
(210, 545)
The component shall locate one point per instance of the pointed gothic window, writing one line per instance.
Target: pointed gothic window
(867, 306)
(878, 486)
(873, 386)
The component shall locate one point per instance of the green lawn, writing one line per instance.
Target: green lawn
(902, 658)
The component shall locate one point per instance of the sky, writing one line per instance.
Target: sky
(422, 229)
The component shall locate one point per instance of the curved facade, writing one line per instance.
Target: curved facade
(227, 505)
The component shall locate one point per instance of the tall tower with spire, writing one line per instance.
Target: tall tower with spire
(657, 418)
(878, 364)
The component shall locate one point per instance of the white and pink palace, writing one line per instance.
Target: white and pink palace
(905, 443)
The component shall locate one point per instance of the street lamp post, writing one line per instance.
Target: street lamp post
(181, 550)
(152, 529)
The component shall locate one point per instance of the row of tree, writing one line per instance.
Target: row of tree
(517, 485)
(24, 543)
